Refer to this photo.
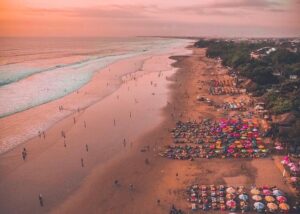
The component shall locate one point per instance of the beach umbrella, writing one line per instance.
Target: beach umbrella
(284, 206)
(229, 196)
(255, 191)
(256, 197)
(267, 192)
(241, 189)
(258, 206)
(230, 190)
(272, 206)
(281, 199)
(231, 204)
(243, 197)
(293, 179)
(277, 192)
(269, 198)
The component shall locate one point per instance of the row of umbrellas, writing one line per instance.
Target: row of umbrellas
(188, 152)
(220, 197)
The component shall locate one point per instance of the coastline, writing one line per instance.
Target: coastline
(49, 163)
(158, 180)
(96, 192)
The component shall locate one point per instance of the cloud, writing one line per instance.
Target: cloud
(109, 11)
(231, 7)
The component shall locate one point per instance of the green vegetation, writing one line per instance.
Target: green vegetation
(282, 60)
(268, 64)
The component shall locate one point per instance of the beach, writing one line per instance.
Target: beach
(119, 138)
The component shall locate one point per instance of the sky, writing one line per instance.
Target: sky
(96, 18)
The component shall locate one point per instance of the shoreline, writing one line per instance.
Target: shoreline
(15, 129)
(41, 170)
(158, 179)
(155, 180)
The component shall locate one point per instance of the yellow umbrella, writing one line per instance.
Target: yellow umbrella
(255, 191)
(269, 198)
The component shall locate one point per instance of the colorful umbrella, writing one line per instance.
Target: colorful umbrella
(243, 197)
(272, 206)
(269, 198)
(277, 192)
(267, 192)
(255, 191)
(284, 206)
(230, 190)
(231, 204)
(259, 206)
(256, 197)
(281, 199)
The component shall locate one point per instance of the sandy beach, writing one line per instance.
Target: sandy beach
(124, 133)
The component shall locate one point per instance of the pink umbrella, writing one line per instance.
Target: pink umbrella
(281, 199)
(267, 192)
(230, 151)
(294, 179)
(231, 203)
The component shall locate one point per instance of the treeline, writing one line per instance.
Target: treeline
(282, 94)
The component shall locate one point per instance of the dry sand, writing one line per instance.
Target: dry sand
(55, 171)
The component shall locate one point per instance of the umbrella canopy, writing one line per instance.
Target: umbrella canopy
(277, 192)
(256, 197)
(284, 206)
(267, 192)
(255, 191)
(272, 206)
(243, 197)
(269, 198)
(231, 203)
(229, 196)
(281, 199)
(230, 190)
(259, 206)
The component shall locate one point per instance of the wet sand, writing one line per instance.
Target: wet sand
(67, 187)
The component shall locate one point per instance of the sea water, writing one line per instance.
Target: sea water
(35, 71)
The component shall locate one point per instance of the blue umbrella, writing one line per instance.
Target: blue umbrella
(259, 206)
(243, 197)
(277, 192)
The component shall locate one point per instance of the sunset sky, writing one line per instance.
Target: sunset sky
(150, 17)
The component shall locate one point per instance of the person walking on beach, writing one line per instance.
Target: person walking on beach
(63, 134)
(41, 200)
(74, 120)
(124, 142)
(131, 187)
(44, 135)
(40, 135)
(24, 154)
(114, 122)
(82, 163)
(86, 147)
(158, 201)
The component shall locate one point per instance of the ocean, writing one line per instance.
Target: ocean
(37, 71)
